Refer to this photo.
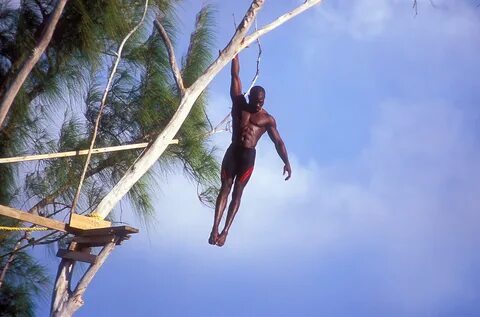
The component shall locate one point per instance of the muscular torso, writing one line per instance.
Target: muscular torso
(247, 125)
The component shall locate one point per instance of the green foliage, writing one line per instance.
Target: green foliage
(200, 47)
(141, 102)
(15, 302)
(69, 79)
(24, 280)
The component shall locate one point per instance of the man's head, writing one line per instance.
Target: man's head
(256, 98)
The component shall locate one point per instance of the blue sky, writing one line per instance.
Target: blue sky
(378, 109)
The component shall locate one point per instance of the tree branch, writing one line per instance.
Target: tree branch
(26, 68)
(75, 299)
(279, 21)
(171, 56)
(237, 43)
(10, 260)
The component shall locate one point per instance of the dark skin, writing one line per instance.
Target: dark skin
(248, 126)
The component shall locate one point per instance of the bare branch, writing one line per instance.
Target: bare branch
(218, 128)
(415, 5)
(10, 259)
(171, 56)
(30, 243)
(279, 21)
(259, 56)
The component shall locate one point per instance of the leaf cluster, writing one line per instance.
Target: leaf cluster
(56, 108)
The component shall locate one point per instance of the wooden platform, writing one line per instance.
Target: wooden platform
(84, 240)
(88, 232)
(96, 236)
(80, 225)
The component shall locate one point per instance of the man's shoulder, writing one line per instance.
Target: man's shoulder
(267, 116)
(239, 100)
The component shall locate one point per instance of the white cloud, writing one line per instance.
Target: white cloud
(422, 162)
(367, 19)
(410, 200)
(362, 18)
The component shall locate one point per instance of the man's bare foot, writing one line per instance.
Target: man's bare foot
(221, 238)
(213, 238)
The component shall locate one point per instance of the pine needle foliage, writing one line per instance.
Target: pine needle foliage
(16, 302)
(139, 105)
(56, 108)
(25, 280)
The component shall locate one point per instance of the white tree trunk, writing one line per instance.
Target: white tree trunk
(62, 291)
(66, 302)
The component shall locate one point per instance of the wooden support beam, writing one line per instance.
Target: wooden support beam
(77, 256)
(37, 220)
(93, 241)
(118, 231)
(25, 158)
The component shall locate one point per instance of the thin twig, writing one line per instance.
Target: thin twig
(415, 7)
(60, 237)
(102, 105)
(30, 243)
(257, 72)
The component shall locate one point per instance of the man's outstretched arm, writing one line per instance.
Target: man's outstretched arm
(280, 147)
(236, 84)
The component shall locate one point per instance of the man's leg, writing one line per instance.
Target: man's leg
(246, 161)
(227, 181)
(240, 184)
(220, 207)
(232, 211)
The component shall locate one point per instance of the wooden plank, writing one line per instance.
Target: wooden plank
(85, 223)
(77, 256)
(119, 231)
(25, 158)
(35, 219)
(93, 241)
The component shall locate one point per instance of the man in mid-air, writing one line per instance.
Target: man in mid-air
(249, 122)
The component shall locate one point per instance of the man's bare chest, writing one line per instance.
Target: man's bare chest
(258, 119)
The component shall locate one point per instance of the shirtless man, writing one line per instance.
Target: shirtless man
(249, 122)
